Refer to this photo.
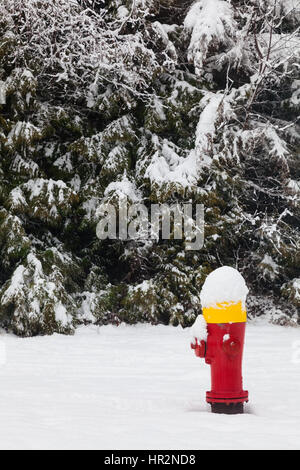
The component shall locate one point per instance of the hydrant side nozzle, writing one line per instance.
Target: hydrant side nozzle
(232, 347)
(200, 348)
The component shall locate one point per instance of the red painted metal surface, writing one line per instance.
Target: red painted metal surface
(223, 351)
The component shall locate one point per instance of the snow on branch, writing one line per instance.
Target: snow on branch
(73, 50)
(212, 25)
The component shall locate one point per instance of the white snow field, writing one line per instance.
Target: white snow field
(141, 387)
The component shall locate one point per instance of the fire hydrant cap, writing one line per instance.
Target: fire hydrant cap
(223, 296)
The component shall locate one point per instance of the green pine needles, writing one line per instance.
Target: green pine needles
(161, 102)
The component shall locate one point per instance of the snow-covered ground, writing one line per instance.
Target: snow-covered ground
(132, 387)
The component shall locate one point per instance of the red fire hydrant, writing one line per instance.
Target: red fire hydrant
(219, 337)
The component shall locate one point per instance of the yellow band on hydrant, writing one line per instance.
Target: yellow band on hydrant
(225, 313)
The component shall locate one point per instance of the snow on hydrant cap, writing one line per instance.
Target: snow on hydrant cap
(224, 285)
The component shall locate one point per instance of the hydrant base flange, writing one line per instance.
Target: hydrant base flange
(227, 397)
(230, 409)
